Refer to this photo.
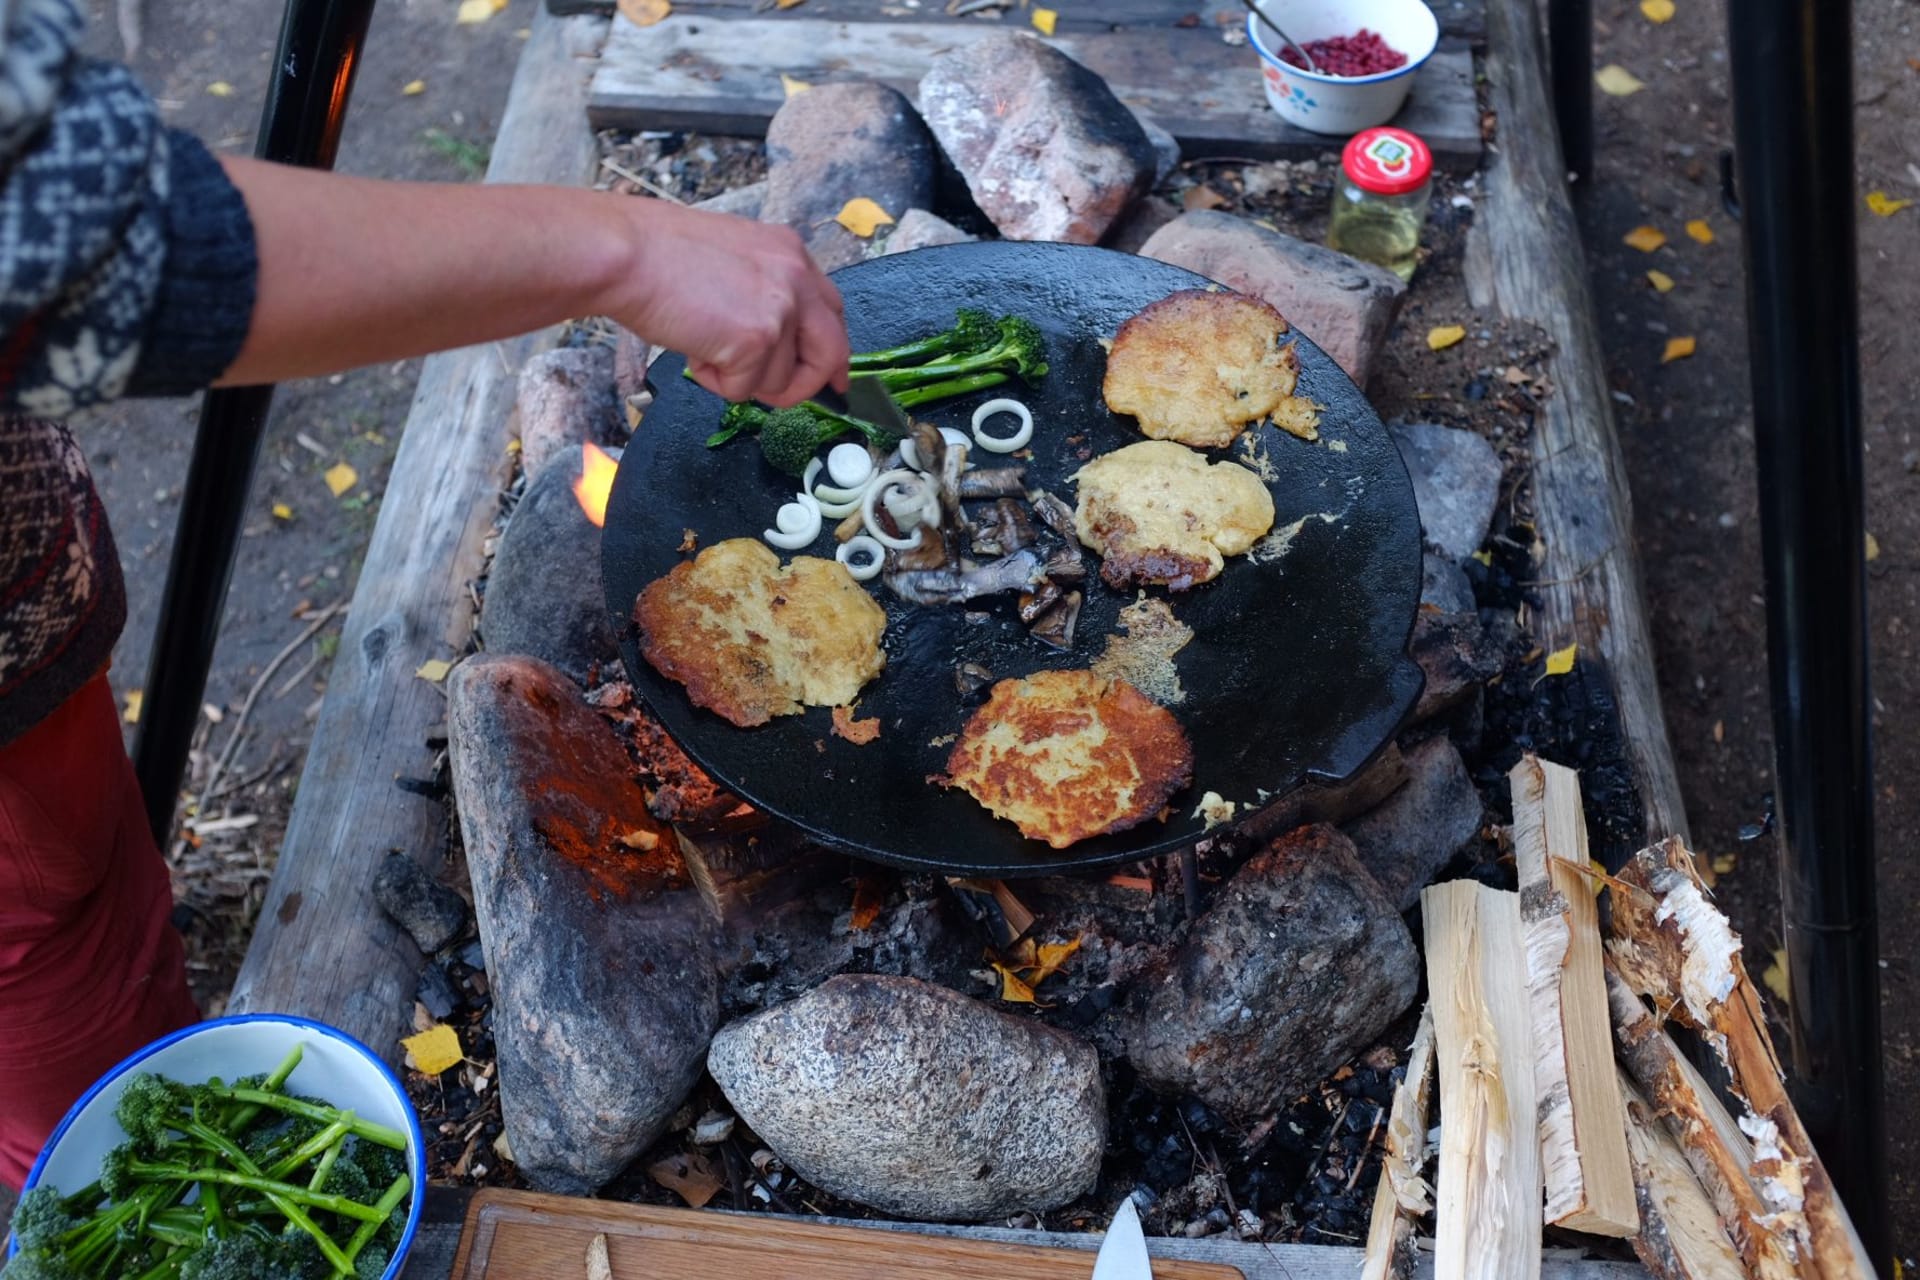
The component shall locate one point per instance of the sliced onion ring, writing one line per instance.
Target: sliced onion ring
(849, 465)
(812, 474)
(796, 524)
(873, 557)
(881, 483)
(1003, 444)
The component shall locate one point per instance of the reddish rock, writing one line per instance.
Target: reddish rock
(1457, 657)
(565, 399)
(1344, 305)
(1301, 962)
(918, 229)
(836, 142)
(598, 950)
(1047, 150)
(1419, 828)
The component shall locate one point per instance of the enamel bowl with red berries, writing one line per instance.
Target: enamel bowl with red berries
(1365, 54)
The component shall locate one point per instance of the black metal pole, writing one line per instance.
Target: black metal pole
(1570, 67)
(320, 42)
(1793, 127)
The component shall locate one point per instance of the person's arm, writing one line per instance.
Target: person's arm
(354, 271)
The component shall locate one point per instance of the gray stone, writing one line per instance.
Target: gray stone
(1166, 148)
(741, 202)
(566, 397)
(917, 1100)
(1344, 305)
(918, 229)
(838, 141)
(432, 914)
(598, 950)
(1140, 223)
(1456, 482)
(543, 592)
(1047, 150)
(1444, 585)
(1457, 657)
(1300, 963)
(1422, 825)
(1331, 802)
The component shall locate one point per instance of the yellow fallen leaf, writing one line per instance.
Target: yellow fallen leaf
(413, 88)
(1677, 349)
(220, 89)
(1617, 80)
(434, 669)
(1050, 958)
(791, 85)
(1440, 337)
(788, 4)
(862, 216)
(1661, 281)
(472, 11)
(644, 13)
(1645, 239)
(1776, 976)
(599, 1266)
(1043, 20)
(1012, 989)
(1873, 547)
(1560, 661)
(1599, 877)
(340, 477)
(1723, 864)
(435, 1049)
(1657, 11)
(281, 511)
(132, 714)
(1484, 557)
(1884, 205)
(1700, 230)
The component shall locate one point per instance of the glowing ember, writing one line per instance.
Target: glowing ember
(595, 482)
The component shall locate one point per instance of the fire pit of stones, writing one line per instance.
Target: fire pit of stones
(672, 998)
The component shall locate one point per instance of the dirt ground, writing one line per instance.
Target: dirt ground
(1686, 427)
(207, 63)
(1688, 433)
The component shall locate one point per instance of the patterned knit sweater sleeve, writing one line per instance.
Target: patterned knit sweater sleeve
(127, 261)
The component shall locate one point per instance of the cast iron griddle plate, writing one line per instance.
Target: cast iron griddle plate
(1297, 666)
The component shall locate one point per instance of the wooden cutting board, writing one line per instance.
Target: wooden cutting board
(514, 1235)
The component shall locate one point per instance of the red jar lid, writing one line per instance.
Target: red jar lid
(1387, 162)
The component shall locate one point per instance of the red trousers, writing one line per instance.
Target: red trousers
(90, 965)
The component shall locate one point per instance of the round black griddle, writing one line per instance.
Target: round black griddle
(1298, 664)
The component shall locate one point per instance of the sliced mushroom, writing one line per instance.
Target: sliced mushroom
(1055, 627)
(995, 482)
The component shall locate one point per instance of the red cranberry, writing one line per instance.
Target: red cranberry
(1361, 54)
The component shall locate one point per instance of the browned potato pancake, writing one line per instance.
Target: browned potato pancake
(1199, 365)
(751, 640)
(1065, 755)
(1157, 512)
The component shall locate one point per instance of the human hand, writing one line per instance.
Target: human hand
(740, 299)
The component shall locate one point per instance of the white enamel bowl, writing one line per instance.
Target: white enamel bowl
(1342, 105)
(334, 1066)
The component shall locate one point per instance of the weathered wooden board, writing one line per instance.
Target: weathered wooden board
(1526, 260)
(322, 948)
(1465, 19)
(724, 77)
(438, 1241)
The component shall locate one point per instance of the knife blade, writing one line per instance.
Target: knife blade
(1123, 1254)
(869, 398)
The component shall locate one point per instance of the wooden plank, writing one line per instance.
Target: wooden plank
(1460, 19)
(1589, 583)
(1402, 1196)
(514, 1234)
(1680, 1235)
(1583, 1136)
(724, 77)
(1487, 1220)
(446, 1208)
(322, 948)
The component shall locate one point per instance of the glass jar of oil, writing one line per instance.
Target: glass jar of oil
(1380, 202)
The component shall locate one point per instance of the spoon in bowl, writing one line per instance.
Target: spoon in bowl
(1297, 47)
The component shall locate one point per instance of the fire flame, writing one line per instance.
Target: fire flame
(595, 482)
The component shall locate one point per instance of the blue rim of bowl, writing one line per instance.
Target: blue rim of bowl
(417, 1157)
(1268, 55)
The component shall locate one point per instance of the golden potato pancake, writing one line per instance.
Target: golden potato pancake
(1065, 755)
(1199, 365)
(1157, 512)
(751, 640)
